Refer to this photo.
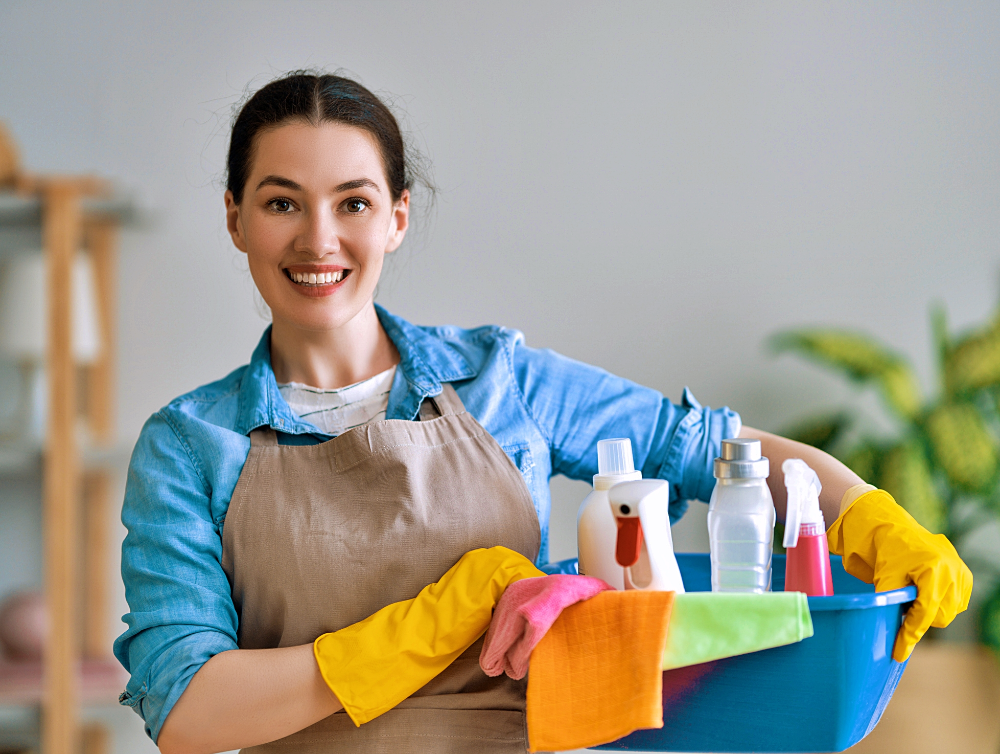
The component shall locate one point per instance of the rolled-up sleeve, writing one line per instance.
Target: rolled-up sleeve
(180, 609)
(576, 404)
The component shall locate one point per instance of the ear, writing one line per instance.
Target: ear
(399, 222)
(233, 224)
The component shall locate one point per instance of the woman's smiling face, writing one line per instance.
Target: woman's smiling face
(316, 221)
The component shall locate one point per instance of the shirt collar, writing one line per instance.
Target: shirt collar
(426, 360)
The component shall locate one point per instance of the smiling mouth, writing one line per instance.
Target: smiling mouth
(316, 279)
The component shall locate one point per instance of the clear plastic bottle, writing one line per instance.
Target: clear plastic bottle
(741, 519)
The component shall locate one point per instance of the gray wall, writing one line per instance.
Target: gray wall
(652, 187)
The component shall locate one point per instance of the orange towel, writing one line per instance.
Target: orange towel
(596, 675)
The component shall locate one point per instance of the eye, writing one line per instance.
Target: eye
(356, 205)
(281, 206)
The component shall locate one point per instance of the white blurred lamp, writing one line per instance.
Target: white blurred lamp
(24, 330)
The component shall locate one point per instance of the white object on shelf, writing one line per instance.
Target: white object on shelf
(24, 330)
(24, 309)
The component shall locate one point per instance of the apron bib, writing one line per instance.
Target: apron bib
(319, 537)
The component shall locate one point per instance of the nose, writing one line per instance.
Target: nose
(318, 234)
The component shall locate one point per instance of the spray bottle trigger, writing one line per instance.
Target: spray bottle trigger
(803, 488)
(793, 516)
(629, 543)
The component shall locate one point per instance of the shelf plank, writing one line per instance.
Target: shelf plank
(21, 218)
(26, 209)
(22, 459)
(60, 477)
(102, 238)
(98, 681)
(98, 487)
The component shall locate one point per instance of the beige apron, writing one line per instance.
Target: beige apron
(321, 536)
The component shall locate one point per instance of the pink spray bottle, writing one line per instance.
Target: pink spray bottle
(807, 567)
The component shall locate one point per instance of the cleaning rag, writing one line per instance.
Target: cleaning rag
(595, 676)
(374, 665)
(706, 626)
(524, 614)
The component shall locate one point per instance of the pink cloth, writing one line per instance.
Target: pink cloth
(524, 613)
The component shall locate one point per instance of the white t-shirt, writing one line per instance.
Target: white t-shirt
(336, 411)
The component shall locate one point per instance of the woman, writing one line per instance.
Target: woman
(252, 532)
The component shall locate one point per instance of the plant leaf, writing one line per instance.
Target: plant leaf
(899, 385)
(942, 344)
(859, 355)
(989, 621)
(820, 432)
(974, 362)
(862, 358)
(865, 461)
(906, 475)
(963, 446)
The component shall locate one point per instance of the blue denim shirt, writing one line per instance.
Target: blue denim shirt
(546, 411)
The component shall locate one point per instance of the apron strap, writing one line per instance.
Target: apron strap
(263, 437)
(445, 403)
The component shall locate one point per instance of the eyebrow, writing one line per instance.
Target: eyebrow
(277, 180)
(288, 183)
(357, 183)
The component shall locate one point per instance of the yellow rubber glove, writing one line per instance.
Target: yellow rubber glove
(882, 544)
(374, 665)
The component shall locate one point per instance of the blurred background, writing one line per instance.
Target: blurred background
(652, 187)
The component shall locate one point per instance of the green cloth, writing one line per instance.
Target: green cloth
(708, 626)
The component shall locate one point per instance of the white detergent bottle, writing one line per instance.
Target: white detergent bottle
(645, 546)
(596, 529)
(741, 519)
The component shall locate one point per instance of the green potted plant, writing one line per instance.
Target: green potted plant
(943, 464)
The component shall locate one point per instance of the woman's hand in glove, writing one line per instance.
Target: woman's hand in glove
(373, 665)
(882, 544)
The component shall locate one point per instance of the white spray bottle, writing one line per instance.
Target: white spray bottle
(807, 566)
(596, 529)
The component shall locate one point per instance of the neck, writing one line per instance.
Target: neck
(329, 359)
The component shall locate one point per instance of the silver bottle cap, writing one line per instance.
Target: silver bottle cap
(741, 459)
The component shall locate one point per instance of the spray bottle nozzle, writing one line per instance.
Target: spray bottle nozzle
(803, 499)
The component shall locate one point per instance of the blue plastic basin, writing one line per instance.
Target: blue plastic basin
(823, 694)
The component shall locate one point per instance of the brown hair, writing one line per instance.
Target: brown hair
(320, 98)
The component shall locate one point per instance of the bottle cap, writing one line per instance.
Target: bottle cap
(741, 449)
(741, 459)
(614, 457)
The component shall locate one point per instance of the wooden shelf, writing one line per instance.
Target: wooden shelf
(60, 216)
(20, 460)
(98, 681)
(26, 209)
(21, 218)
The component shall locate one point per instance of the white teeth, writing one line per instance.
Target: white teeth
(317, 278)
